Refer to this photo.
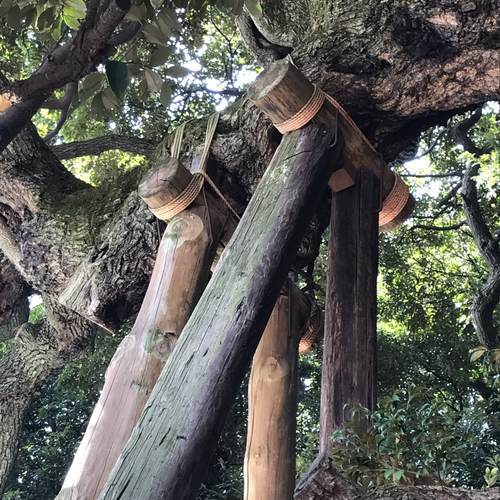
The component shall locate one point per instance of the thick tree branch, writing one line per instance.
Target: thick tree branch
(98, 145)
(488, 296)
(66, 63)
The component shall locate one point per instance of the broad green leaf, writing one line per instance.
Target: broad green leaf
(14, 17)
(168, 22)
(77, 5)
(177, 72)
(156, 3)
(137, 13)
(160, 56)
(117, 73)
(91, 85)
(97, 109)
(110, 100)
(153, 34)
(153, 80)
(166, 94)
(45, 19)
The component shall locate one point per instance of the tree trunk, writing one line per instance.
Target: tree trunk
(272, 406)
(180, 273)
(36, 352)
(349, 352)
(180, 425)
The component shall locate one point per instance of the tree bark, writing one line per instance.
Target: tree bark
(269, 467)
(36, 352)
(349, 354)
(187, 407)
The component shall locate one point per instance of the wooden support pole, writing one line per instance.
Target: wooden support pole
(168, 452)
(180, 273)
(282, 91)
(349, 350)
(269, 468)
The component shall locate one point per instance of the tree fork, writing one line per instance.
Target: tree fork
(181, 270)
(167, 454)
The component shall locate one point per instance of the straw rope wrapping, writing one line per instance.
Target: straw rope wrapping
(394, 202)
(193, 189)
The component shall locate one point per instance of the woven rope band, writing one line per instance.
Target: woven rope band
(305, 114)
(394, 202)
(193, 189)
(311, 109)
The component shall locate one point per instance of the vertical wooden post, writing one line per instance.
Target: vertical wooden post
(349, 353)
(180, 273)
(272, 400)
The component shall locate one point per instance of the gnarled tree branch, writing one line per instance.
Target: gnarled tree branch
(98, 145)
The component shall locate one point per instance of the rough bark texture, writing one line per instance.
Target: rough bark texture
(272, 406)
(488, 296)
(324, 482)
(37, 351)
(187, 407)
(349, 370)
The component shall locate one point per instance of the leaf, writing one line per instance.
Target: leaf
(156, 3)
(168, 22)
(476, 353)
(117, 73)
(97, 107)
(153, 34)
(71, 22)
(166, 94)
(398, 474)
(110, 100)
(14, 17)
(254, 7)
(44, 18)
(160, 56)
(177, 72)
(91, 85)
(137, 13)
(153, 80)
(77, 5)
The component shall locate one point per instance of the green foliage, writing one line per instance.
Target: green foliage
(55, 424)
(37, 313)
(417, 437)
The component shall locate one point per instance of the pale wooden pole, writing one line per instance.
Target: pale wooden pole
(180, 273)
(269, 469)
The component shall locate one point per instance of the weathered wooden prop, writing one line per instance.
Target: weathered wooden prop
(269, 469)
(180, 273)
(167, 454)
(290, 100)
(349, 372)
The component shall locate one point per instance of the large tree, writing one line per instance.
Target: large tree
(398, 68)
